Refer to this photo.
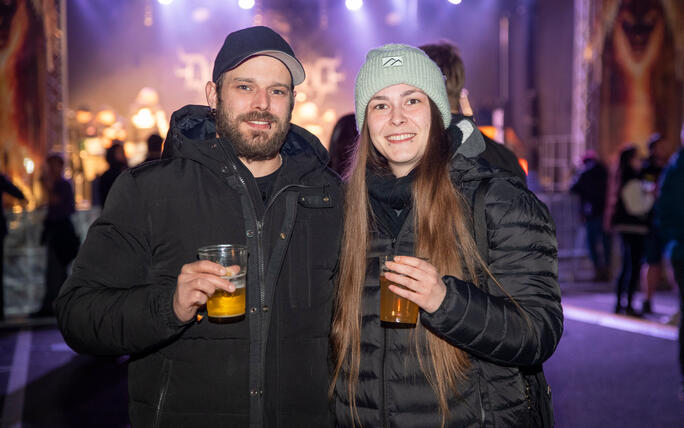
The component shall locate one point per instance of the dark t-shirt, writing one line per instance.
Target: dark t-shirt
(266, 183)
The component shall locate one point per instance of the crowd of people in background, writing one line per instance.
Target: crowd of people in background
(623, 204)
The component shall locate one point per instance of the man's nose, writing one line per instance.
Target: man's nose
(261, 100)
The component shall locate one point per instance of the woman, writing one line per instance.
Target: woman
(629, 217)
(408, 194)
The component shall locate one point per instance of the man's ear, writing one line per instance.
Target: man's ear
(212, 94)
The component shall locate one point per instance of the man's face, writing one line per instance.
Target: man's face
(254, 107)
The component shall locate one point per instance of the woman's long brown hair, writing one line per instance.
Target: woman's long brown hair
(445, 240)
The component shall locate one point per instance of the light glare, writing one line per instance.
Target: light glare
(455, 1)
(353, 4)
(246, 4)
(165, 1)
(29, 166)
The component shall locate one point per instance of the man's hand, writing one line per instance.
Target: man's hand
(464, 104)
(196, 283)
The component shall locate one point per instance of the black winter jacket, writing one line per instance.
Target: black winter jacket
(268, 369)
(392, 390)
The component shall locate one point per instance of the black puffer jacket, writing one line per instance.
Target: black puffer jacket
(269, 369)
(392, 390)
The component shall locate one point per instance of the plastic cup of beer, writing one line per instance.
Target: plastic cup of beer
(394, 309)
(223, 306)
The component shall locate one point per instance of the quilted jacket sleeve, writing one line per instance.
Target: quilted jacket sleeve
(106, 306)
(520, 322)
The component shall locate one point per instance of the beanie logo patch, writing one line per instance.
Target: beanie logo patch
(393, 61)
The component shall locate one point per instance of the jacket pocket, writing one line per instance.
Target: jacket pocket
(310, 261)
(481, 399)
(164, 387)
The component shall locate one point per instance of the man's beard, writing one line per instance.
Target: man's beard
(257, 145)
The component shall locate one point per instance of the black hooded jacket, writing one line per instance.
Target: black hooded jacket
(267, 369)
(499, 336)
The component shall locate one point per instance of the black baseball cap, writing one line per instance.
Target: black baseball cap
(242, 44)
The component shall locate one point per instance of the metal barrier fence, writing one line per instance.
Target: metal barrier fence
(25, 258)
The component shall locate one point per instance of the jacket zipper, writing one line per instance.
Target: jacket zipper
(259, 226)
(260, 250)
(261, 262)
(385, 401)
(260, 229)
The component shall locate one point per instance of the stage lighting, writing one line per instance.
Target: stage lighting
(165, 1)
(353, 4)
(246, 4)
(29, 165)
(455, 1)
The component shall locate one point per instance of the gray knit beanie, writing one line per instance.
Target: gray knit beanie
(393, 64)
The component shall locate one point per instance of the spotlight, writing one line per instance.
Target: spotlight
(29, 166)
(353, 4)
(164, 1)
(455, 1)
(246, 4)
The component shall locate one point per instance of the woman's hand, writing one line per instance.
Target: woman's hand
(424, 285)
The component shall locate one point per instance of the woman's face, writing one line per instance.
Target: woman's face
(398, 120)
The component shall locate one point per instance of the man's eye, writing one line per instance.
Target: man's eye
(279, 92)
(243, 87)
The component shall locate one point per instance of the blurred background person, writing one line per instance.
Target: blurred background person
(448, 59)
(669, 215)
(6, 186)
(590, 185)
(154, 147)
(342, 143)
(650, 173)
(629, 218)
(116, 158)
(59, 235)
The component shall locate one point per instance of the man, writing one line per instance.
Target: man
(446, 56)
(235, 172)
(58, 235)
(590, 184)
(669, 211)
(154, 147)
(116, 159)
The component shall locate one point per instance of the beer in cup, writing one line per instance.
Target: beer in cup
(394, 309)
(222, 305)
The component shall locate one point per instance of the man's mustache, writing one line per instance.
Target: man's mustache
(257, 116)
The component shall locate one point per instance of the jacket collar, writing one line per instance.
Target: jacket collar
(467, 144)
(192, 135)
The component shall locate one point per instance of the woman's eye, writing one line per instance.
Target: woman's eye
(380, 107)
(413, 101)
